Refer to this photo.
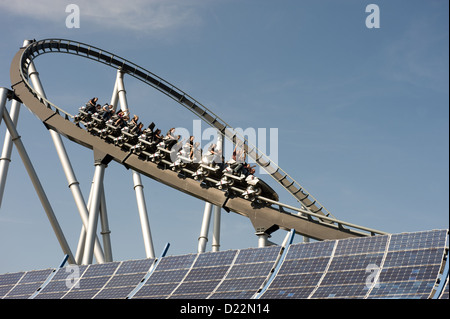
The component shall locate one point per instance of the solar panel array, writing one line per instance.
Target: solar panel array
(395, 266)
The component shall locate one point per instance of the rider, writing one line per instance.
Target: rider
(91, 105)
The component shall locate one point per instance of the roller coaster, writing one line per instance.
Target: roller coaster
(214, 181)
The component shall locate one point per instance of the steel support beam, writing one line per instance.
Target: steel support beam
(5, 158)
(67, 166)
(120, 94)
(203, 238)
(38, 186)
(94, 209)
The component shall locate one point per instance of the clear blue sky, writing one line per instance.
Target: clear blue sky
(362, 114)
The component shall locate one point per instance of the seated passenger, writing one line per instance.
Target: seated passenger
(157, 138)
(108, 111)
(137, 129)
(171, 139)
(170, 134)
(121, 122)
(190, 147)
(91, 105)
(210, 155)
(196, 153)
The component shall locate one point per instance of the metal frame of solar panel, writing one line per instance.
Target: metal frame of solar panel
(444, 294)
(411, 266)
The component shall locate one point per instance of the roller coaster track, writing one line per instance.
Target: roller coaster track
(311, 220)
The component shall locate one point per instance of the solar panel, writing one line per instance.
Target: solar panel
(207, 272)
(364, 245)
(125, 279)
(169, 272)
(28, 284)
(8, 281)
(301, 270)
(330, 269)
(64, 279)
(248, 273)
(411, 265)
(405, 265)
(310, 250)
(420, 240)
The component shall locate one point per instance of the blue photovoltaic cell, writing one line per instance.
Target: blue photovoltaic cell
(250, 270)
(206, 273)
(215, 258)
(176, 262)
(159, 290)
(310, 250)
(310, 265)
(364, 245)
(341, 291)
(134, 266)
(106, 269)
(196, 287)
(245, 294)
(296, 280)
(341, 263)
(289, 293)
(421, 240)
(7, 282)
(413, 257)
(253, 255)
(420, 289)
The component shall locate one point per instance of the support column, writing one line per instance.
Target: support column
(105, 228)
(145, 225)
(216, 229)
(67, 166)
(94, 209)
(217, 209)
(203, 239)
(120, 94)
(38, 186)
(5, 158)
(3, 96)
(262, 239)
